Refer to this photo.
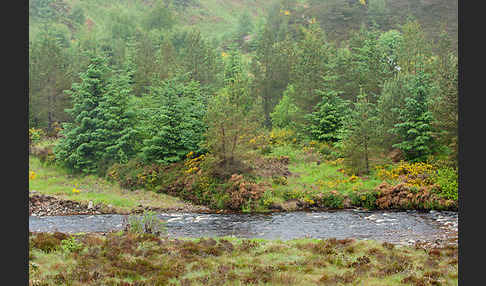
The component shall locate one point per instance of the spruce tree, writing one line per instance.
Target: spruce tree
(414, 119)
(101, 132)
(325, 122)
(173, 121)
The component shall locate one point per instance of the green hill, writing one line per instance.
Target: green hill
(217, 19)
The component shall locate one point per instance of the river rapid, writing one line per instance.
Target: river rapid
(401, 227)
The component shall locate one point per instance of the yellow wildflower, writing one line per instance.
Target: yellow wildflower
(32, 175)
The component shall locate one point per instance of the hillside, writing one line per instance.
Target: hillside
(217, 19)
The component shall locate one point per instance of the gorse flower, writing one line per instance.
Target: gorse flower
(32, 175)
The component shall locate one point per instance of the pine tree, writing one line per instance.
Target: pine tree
(360, 135)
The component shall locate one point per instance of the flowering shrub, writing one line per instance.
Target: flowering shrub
(192, 162)
(35, 135)
(413, 174)
(282, 136)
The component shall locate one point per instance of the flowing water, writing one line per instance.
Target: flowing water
(390, 226)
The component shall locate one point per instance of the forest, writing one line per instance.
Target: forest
(250, 105)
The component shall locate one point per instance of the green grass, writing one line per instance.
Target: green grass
(56, 181)
(309, 178)
(233, 261)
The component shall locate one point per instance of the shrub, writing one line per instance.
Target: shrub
(364, 199)
(330, 200)
(282, 136)
(148, 223)
(413, 174)
(447, 179)
(45, 242)
(71, 245)
(35, 135)
(242, 194)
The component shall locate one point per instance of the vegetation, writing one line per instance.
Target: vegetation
(146, 259)
(291, 104)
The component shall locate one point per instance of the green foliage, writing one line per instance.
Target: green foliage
(198, 58)
(71, 245)
(364, 199)
(49, 75)
(444, 98)
(231, 118)
(360, 135)
(101, 131)
(389, 44)
(45, 10)
(311, 54)
(447, 179)
(325, 123)
(414, 127)
(159, 17)
(286, 113)
(172, 121)
(148, 223)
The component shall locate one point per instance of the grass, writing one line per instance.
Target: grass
(151, 260)
(312, 176)
(56, 181)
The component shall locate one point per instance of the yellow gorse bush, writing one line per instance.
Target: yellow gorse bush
(192, 164)
(413, 174)
(282, 136)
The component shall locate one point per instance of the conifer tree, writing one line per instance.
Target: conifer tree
(325, 122)
(312, 55)
(444, 99)
(360, 135)
(173, 121)
(414, 119)
(101, 132)
(49, 75)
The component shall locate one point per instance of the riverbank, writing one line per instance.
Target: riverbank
(285, 179)
(126, 258)
(54, 191)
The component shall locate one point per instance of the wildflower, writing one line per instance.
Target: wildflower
(32, 175)
(76, 191)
